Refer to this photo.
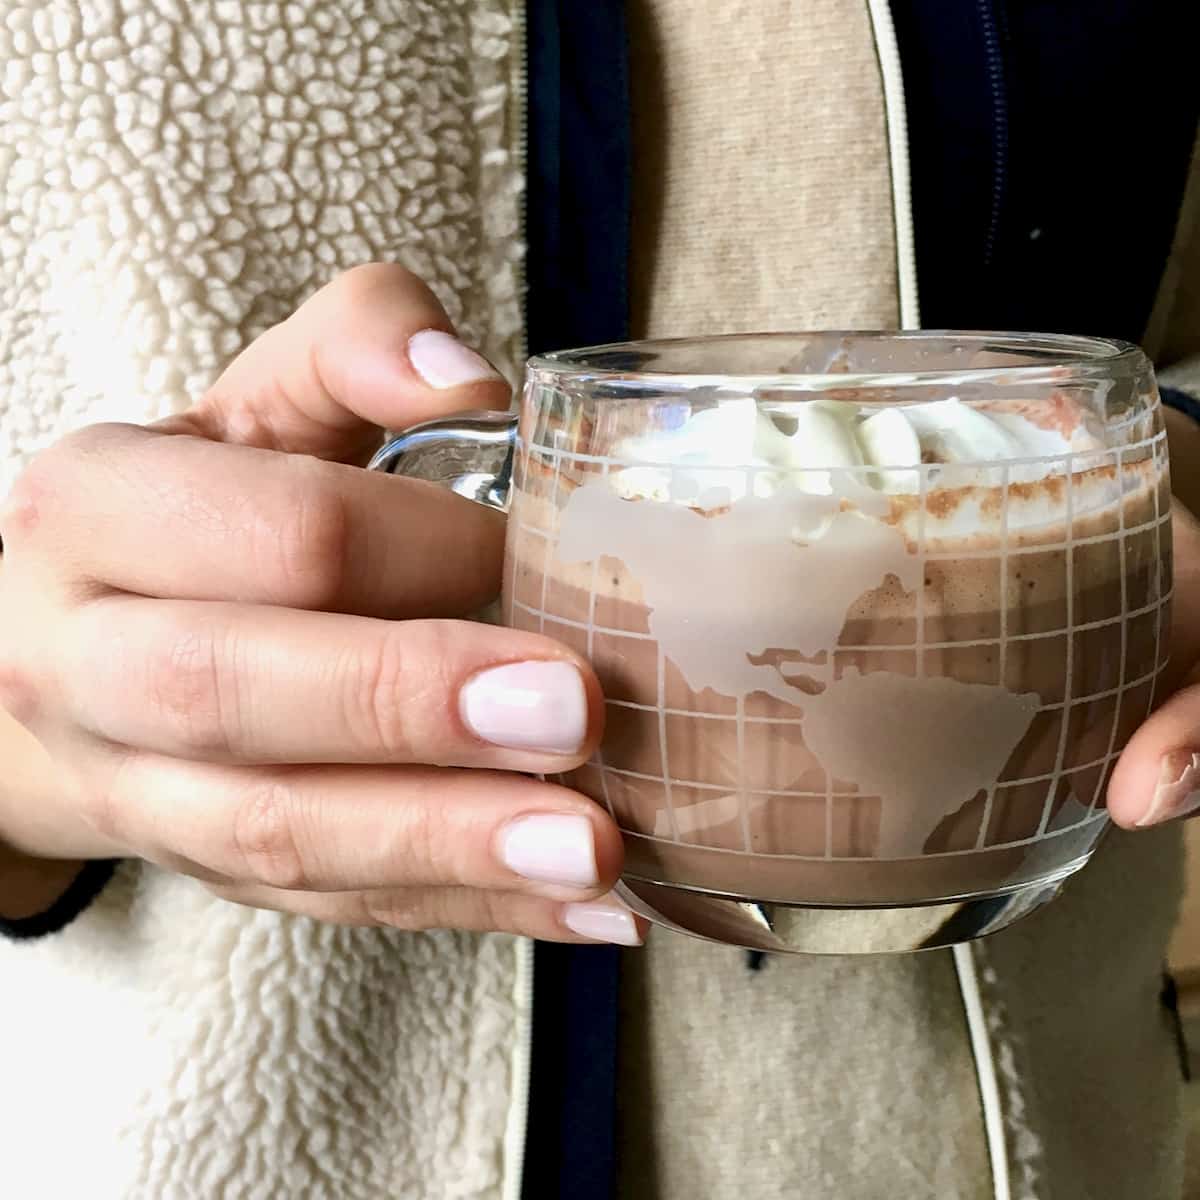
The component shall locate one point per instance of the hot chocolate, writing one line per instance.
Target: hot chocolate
(857, 656)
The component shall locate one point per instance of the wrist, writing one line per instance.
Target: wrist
(42, 852)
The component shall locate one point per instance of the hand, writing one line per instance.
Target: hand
(232, 644)
(1157, 778)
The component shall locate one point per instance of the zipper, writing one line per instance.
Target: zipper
(516, 1128)
(517, 1125)
(985, 1068)
(519, 133)
(888, 51)
(995, 71)
(890, 68)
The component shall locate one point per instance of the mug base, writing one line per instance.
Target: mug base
(777, 928)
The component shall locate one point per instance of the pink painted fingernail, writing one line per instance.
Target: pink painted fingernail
(551, 848)
(603, 921)
(444, 362)
(528, 706)
(1178, 790)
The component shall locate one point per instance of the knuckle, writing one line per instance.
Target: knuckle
(264, 838)
(482, 910)
(493, 911)
(185, 688)
(24, 505)
(416, 909)
(391, 696)
(38, 490)
(18, 688)
(313, 543)
(108, 799)
(102, 811)
(362, 284)
(61, 480)
(426, 847)
(405, 908)
(400, 705)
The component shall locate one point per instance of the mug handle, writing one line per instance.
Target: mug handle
(470, 453)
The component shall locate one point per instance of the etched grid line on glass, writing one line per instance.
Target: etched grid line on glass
(1068, 682)
(545, 573)
(707, 716)
(582, 625)
(875, 647)
(724, 789)
(1158, 578)
(830, 671)
(522, 458)
(960, 555)
(666, 780)
(990, 799)
(1121, 551)
(1092, 539)
(922, 497)
(541, 615)
(743, 803)
(1093, 819)
(829, 795)
(591, 645)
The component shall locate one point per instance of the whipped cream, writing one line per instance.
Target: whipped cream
(685, 463)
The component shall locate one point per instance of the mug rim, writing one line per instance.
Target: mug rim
(1054, 357)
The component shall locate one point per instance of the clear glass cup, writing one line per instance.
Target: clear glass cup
(874, 613)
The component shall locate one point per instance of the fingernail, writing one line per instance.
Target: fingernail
(1178, 790)
(603, 921)
(528, 706)
(444, 362)
(552, 848)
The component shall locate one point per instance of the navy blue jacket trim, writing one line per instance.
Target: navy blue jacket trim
(577, 232)
(1181, 402)
(84, 888)
(579, 162)
(1049, 146)
(570, 1142)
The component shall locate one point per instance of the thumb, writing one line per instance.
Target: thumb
(373, 348)
(1158, 776)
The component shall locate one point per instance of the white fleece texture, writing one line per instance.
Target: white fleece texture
(169, 1045)
(175, 177)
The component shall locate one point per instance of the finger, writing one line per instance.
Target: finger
(373, 348)
(1154, 780)
(1185, 627)
(182, 517)
(272, 685)
(319, 829)
(1157, 778)
(605, 920)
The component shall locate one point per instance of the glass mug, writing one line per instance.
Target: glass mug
(874, 613)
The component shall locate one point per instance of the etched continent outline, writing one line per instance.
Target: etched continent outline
(780, 572)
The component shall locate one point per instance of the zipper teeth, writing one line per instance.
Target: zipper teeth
(522, 1053)
(517, 1127)
(519, 130)
(888, 51)
(995, 70)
